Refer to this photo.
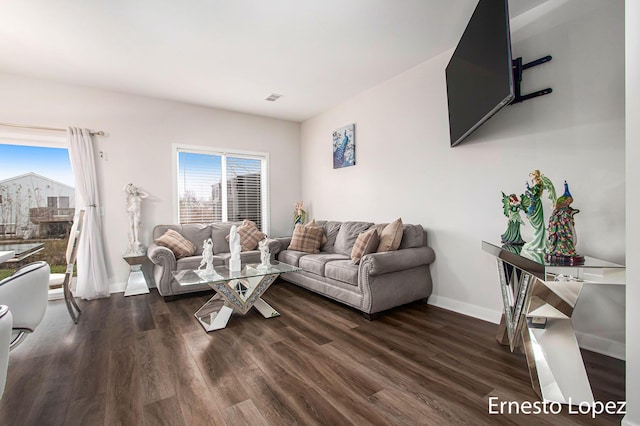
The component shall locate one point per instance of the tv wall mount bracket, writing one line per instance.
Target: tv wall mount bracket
(517, 67)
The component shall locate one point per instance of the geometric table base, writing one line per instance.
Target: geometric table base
(236, 290)
(237, 294)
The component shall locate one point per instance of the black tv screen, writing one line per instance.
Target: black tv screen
(479, 76)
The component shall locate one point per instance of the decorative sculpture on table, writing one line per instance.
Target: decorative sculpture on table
(235, 248)
(532, 202)
(134, 201)
(562, 233)
(299, 215)
(512, 207)
(207, 257)
(265, 255)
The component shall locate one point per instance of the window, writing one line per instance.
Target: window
(216, 186)
(63, 202)
(36, 186)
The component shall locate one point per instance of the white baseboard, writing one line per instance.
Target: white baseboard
(465, 308)
(117, 287)
(601, 345)
(586, 341)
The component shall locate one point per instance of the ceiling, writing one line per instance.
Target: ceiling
(231, 54)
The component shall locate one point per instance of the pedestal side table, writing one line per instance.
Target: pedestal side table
(136, 284)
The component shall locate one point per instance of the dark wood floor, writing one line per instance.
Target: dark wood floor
(139, 360)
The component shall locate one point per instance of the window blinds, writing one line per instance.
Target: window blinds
(204, 196)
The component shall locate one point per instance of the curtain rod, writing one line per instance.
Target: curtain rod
(55, 129)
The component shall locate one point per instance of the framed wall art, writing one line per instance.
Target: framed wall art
(344, 147)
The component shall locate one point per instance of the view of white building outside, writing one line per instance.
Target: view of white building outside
(35, 206)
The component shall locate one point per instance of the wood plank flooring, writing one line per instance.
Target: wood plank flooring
(141, 361)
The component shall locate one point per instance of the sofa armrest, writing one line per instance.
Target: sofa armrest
(161, 256)
(398, 260)
(274, 246)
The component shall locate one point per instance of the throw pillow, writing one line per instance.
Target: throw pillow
(367, 242)
(306, 239)
(250, 235)
(178, 244)
(313, 224)
(391, 236)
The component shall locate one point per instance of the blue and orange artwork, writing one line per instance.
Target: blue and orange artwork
(344, 147)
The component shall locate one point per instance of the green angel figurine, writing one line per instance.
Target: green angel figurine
(512, 207)
(532, 202)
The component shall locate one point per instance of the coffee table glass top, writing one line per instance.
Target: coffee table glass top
(190, 276)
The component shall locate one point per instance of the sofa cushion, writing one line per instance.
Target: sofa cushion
(218, 233)
(193, 262)
(307, 239)
(347, 236)
(315, 263)
(196, 233)
(331, 229)
(159, 230)
(391, 236)
(179, 245)
(342, 270)
(291, 257)
(367, 242)
(412, 236)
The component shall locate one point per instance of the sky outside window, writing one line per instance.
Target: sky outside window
(53, 163)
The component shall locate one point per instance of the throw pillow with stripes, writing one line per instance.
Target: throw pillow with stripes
(367, 242)
(179, 245)
(307, 239)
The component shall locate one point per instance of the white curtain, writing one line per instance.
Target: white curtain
(92, 271)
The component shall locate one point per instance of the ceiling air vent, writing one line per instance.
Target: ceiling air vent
(273, 97)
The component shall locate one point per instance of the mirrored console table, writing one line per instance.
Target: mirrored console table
(539, 298)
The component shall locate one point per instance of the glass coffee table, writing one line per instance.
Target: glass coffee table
(235, 291)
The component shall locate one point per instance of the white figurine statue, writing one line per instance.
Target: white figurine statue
(134, 201)
(235, 249)
(265, 255)
(207, 257)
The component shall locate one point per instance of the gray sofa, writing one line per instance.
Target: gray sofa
(381, 281)
(165, 262)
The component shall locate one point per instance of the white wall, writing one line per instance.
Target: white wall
(406, 168)
(140, 133)
(632, 46)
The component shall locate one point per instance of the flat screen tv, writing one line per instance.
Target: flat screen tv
(479, 75)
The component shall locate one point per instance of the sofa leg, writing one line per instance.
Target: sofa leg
(371, 317)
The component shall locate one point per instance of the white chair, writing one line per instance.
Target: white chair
(6, 322)
(64, 280)
(25, 293)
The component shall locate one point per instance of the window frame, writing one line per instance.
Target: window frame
(224, 152)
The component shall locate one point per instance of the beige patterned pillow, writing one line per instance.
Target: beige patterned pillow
(250, 235)
(179, 245)
(313, 224)
(391, 236)
(306, 239)
(367, 242)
